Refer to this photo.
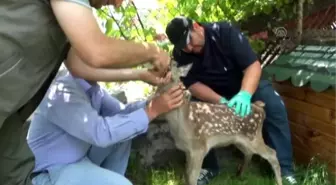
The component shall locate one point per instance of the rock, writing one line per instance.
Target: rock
(120, 95)
(156, 148)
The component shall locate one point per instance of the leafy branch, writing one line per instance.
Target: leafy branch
(139, 19)
(110, 15)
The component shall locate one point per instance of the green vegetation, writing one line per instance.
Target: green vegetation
(259, 173)
(131, 23)
(128, 22)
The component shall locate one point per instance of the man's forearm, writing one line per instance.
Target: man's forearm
(204, 93)
(115, 53)
(92, 45)
(251, 78)
(79, 68)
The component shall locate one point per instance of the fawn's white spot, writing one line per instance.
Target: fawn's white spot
(191, 116)
(214, 119)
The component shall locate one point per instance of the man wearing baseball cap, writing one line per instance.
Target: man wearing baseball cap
(223, 68)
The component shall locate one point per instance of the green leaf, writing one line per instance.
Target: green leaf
(108, 26)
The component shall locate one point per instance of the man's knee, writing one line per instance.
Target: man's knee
(121, 180)
(269, 96)
(274, 105)
(126, 182)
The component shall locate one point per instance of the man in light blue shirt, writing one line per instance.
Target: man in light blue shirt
(80, 135)
(35, 37)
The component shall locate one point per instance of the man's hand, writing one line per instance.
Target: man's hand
(223, 100)
(242, 103)
(161, 61)
(166, 102)
(153, 77)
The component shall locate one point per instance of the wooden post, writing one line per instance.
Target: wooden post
(299, 23)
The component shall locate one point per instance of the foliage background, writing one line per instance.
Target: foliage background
(132, 23)
(148, 24)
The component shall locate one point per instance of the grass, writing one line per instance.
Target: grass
(315, 173)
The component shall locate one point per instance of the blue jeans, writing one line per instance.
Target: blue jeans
(101, 166)
(276, 129)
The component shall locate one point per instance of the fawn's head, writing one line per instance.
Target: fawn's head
(175, 77)
(176, 73)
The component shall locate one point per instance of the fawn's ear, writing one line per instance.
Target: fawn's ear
(183, 70)
(174, 70)
(173, 64)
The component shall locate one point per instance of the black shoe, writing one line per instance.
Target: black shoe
(206, 176)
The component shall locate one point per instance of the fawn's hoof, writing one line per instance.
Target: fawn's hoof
(239, 170)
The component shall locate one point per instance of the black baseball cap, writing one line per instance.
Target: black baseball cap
(178, 30)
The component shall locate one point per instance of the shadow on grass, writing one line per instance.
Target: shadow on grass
(172, 174)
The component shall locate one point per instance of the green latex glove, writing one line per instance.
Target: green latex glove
(223, 100)
(242, 102)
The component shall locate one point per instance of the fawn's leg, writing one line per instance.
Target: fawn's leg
(270, 155)
(194, 165)
(247, 158)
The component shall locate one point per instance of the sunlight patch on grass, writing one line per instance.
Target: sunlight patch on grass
(316, 173)
(162, 177)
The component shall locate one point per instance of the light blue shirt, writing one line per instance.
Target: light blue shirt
(75, 115)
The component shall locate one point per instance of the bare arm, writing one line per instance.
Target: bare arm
(80, 69)
(92, 46)
(251, 77)
(204, 93)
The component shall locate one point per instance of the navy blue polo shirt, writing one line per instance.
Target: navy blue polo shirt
(226, 54)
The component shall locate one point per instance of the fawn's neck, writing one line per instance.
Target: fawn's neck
(179, 123)
(178, 119)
